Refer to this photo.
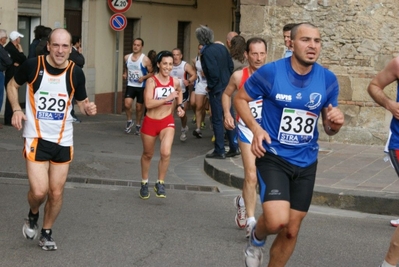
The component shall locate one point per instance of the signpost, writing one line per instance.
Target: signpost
(118, 22)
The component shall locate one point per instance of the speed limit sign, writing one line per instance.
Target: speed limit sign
(119, 6)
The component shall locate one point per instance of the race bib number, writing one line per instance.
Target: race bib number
(134, 76)
(51, 106)
(296, 126)
(256, 109)
(164, 92)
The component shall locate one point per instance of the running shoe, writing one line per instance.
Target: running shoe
(203, 125)
(194, 119)
(46, 242)
(183, 136)
(159, 189)
(249, 228)
(144, 194)
(241, 215)
(395, 223)
(138, 127)
(197, 133)
(129, 125)
(30, 229)
(254, 251)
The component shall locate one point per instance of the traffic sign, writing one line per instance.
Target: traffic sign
(118, 22)
(119, 6)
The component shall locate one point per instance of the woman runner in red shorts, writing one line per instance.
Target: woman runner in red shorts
(160, 93)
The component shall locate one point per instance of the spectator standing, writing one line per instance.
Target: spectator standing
(38, 35)
(77, 57)
(18, 57)
(217, 66)
(5, 62)
(287, 39)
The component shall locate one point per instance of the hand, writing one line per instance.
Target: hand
(180, 112)
(172, 96)
(260, 135)
(17, 117)
(229, 122)
(335, 116)
(124, 76)
(90, 108)
(186, 82)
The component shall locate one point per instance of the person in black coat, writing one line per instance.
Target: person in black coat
(77, 57)
(18, 57)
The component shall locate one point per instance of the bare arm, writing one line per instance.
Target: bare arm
(124, 75)
(333, 119)
(180, 111)
(148, 65)
(193, 74)
(226, 99)
(12, 94)
(385, 77)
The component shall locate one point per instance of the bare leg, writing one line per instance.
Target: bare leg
(166, 137)
(199, 111)
(392, 256)
(250, 180)
(128, 108)
(58, 174)
(148, 152)
(139, 113)
(284, 243)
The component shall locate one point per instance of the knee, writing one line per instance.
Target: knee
(165, 154)
(38, 194)
(56, 194)
(251, 179)
(147, 156)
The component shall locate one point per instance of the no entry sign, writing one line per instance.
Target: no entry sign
(119, 6)
(118, 22)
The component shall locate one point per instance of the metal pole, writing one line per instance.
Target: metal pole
(116, 70)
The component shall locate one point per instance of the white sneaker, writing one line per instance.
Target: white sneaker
(395, 223)
(241, 215)
(249, 228)
(183, 136)
(254, 253)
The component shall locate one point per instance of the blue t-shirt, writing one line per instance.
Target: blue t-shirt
(292, 105)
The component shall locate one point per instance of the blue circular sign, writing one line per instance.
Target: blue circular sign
(118, 22)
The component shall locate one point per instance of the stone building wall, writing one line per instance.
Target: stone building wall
(359, 37)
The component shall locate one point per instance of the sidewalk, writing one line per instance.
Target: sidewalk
(352, 177)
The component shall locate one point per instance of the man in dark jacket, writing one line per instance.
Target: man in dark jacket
(18, 57)
(217, 66)
(77, 57)
(5, 62)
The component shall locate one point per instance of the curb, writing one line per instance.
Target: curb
(368, 202)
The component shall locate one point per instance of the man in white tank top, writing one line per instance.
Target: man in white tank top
(187, 76)
(136, 70)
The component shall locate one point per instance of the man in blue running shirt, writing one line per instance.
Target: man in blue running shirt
(295, 91)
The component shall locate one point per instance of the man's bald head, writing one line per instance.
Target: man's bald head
(230, 36)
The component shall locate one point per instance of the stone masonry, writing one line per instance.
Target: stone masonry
(359, 37)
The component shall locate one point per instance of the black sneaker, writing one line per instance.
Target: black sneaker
(30, 229)
(197, 133)
(129, 125)
(46, 241)
(144, 194)
(159, 189)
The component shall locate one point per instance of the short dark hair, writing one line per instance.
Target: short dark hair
(142, 41)
(288, 27)
(294, 30)
(75, 39)
(255, 40)
(39, 31)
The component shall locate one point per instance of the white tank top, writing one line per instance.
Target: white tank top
(200, 75)
(179, 73)
(49, 115)
(135, 70)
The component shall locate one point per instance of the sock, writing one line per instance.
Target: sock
(46, 231)
(241, 202)
(144, 181)
(129, 120)
(138, 125)
(386, 264)
(250, 219)
(255, 241)
(33, 216)
(160, 181)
